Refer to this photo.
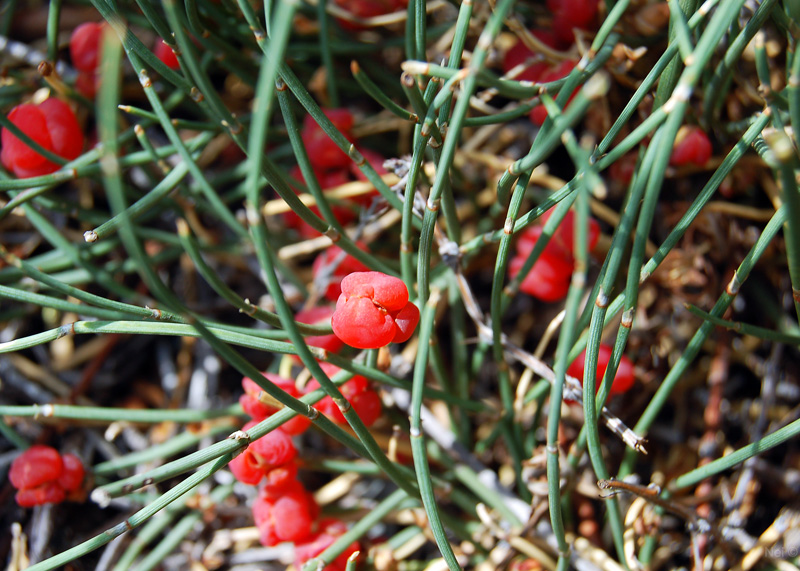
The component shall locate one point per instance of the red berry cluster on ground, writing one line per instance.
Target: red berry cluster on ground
(623, 380)
(332, 167)
(550, 276)
(43, 476)
(373, 310)
(284, 510)
(692, 146)
(53, 125)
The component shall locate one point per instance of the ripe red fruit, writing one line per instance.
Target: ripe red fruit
(320, 315)
(163, 52)
(258, 411)
(550, 275)
(42, 476)
(548, 279)
(539, 114)
(347, 265)
(358, 393)
(322, 151)
(287, 517)
(84, 46)
(36, 466)
(53, 125)
(691, 146)
(373, 311)
(623, 380)
(273, 450)
(329, 531)
(571, 14)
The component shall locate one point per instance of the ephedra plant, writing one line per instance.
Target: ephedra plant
(400, 284)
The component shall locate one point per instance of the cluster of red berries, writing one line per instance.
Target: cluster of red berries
(284, 510)
(623, 380)
(332, 167)
(550, 276)
(568, 15)
(43, 476)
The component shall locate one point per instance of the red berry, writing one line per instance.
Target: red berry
(368, 309)
(36, 466)
(273, 450)
(539, 114)
(329, 530)
(548, 279)
(347, 265)
(163, 52)
(288, 517)
(84, 46)
(571, 14)
(53, 125)
(563, 240)
(320, 315)
(357, 391)
(259, 411)
(322, 151)
(623, 380)
(691, 146)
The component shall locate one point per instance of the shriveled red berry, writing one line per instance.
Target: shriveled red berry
(623, 380)
(287, 517)
(163, 52)
(368, 309)
(691, 146)
(347, 264)
(259, 411)
(38, 465)
(322, 151)
(329, 531)
(53, 125)
(365, 401)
